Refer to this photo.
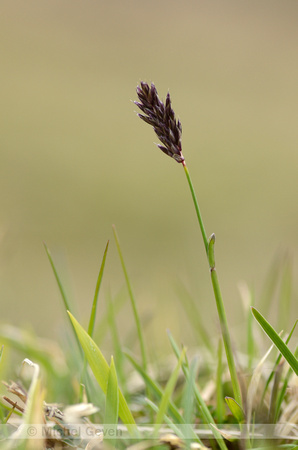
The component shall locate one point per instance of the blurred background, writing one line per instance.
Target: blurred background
(76, 159)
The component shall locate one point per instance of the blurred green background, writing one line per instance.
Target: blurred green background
(75, 158)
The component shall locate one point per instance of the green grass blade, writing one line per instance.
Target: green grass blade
(277, 341)
(188, 398)
(97, 288)
(155, 388)
(177, 350)
(208, 418)
(168, 393)
(274, 393)
(188, 402)
(250, 338)
(199, 399)
(219, 387)
(183, 432)
(112, 404)
(59, 283)
(132, 299)
(62, 292)
(253, 388)
(92, 321)
(167, 420)
(235, 409)
(278, 361)
(116, 342)
(103, 322)
(282, 391)
(194, 317)
(100, 369)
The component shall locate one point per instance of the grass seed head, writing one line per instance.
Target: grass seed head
(162, 117)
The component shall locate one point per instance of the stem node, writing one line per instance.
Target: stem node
(211, 257)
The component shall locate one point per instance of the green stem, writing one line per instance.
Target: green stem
(209, 247)
(133, 302)
(196, 207)
(63, 295)
(226, 336)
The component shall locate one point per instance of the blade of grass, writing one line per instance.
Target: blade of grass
(239, 415)
(199, 399)
(250, 337)
(100, 369)
(155, 388)
(274, 393)
(235, 409)
(131, 338)
(282, 391)
(169, 389)
(194, 317)
(188, 401)
(253, 387)
(277, 362)
(167, 420)
(97, 288)
(219, 389)
(92, 318)
(59, 283)
(62, 292)
(176, 350)
(132, 299)
(116, 342)
(188, 398)
(277, 341)
(112, 405)
(182, 431)
(103, 323)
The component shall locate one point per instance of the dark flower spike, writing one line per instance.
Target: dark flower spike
(162, 118)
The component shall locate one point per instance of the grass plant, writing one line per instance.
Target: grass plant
(162, 118)
(194, 404)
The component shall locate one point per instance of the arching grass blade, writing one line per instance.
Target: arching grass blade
(276, 339)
